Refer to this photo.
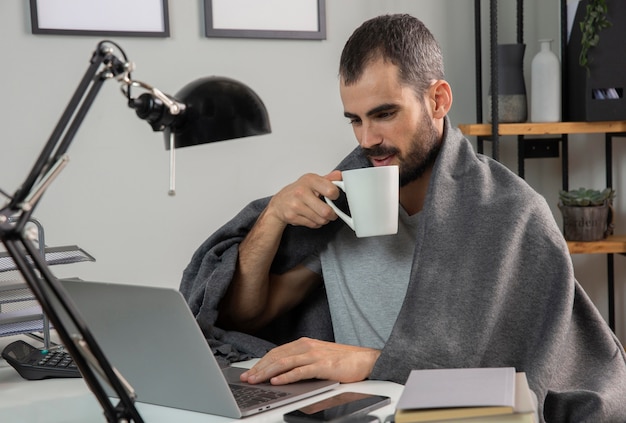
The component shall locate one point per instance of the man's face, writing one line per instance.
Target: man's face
(390, 122)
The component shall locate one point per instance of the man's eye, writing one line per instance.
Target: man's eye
(354, 121)
(385, 115)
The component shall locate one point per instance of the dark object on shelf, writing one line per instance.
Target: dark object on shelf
(512, 104)
(597, 93)
(36, 364)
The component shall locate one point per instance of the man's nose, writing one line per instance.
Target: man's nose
(369, 136)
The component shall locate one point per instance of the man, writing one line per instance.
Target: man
(478, 276)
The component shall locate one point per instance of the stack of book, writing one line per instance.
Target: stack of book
(485, 395)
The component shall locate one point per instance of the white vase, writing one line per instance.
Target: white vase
(545, 85)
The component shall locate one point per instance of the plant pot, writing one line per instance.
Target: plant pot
(590, 223)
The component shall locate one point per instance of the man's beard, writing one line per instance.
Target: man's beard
(425, 147)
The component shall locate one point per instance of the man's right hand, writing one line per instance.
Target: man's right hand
(299, 203)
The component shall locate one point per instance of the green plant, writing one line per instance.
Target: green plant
(595, 20)
(583, 197)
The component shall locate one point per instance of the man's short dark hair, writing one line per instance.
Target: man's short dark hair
(400, 39)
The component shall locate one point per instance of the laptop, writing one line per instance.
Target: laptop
(151, 337)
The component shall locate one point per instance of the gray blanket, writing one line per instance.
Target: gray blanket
(492, 284)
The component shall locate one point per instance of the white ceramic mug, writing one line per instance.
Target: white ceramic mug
(372, 195)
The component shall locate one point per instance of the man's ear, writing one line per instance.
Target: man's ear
(440, 97)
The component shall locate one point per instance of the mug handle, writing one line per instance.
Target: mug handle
(340, 213)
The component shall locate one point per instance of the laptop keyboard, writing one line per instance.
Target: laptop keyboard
(248, 396)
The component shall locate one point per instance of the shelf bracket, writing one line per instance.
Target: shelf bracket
(541, 148)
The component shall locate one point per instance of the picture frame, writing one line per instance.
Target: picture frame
(298, 19)
(137, 18)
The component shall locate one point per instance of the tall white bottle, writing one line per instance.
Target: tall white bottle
(545, 85)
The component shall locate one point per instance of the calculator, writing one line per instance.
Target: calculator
(35, 364)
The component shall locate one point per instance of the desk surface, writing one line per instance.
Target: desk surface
(69, 400)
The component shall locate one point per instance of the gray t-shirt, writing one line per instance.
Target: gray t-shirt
(366, 281)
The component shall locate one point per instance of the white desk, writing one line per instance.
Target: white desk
(69, 400)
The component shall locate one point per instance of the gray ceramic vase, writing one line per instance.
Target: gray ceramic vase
(512, 102)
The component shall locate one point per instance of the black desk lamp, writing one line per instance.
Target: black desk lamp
(208, 110)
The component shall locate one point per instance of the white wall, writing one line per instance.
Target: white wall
(112, 199)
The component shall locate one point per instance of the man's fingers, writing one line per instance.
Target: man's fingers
(308, 358)
(299, 204)
(294, 375)
(286, 370)
(280, 360)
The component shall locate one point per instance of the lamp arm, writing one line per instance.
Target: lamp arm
(48, 152)
(174, 107)
(68, 124)
(44, 183)
(53, 298)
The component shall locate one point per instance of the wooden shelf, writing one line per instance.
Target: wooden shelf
(544, 128)
(614, 244)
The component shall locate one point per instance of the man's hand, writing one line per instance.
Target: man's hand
(299, 203)
(309, 358)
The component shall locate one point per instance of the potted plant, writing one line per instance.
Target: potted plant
(587, 213)
(595, 20)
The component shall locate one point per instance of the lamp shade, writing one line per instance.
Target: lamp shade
(217, 109)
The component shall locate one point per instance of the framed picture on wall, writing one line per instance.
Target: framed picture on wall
(297, 19)
(137, 18)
